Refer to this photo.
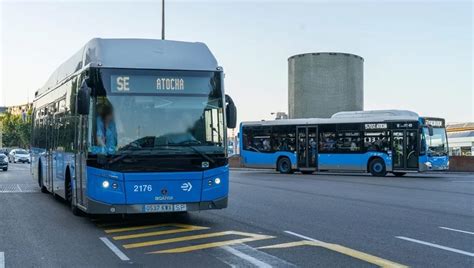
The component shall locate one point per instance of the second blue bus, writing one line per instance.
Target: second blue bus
(378, 142)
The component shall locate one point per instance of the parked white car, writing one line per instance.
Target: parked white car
(19, 155)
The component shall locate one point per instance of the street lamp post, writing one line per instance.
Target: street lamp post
(162, 19)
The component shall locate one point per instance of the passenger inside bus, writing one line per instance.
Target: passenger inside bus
(106, 135)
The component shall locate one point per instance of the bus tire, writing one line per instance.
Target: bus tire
(377, 167)
(399, 174)
(284, 165)
(40, 180)
(68, 186)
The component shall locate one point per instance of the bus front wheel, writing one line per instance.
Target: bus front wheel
(40, 181)
(377, 167)
(69, 195)
(284, 165)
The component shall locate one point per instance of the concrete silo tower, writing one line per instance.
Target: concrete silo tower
(322, 84)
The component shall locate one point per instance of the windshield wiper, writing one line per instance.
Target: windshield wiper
(188, 145)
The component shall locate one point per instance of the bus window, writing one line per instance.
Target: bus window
(348, 142)
(377, 141)
(327, 142)
(283, 138)
(257, 139)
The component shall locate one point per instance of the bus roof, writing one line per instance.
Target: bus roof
(346, 117)
(135, 54)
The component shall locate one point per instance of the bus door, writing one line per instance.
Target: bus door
(307, 147)
(48, 179)
(80, 179)
(54, 152)
(405, 149)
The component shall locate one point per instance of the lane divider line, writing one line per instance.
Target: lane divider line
(250, 237)
(456, 230)
(2, 260)
(157, 233)
(436, 246)
(346, 251)
(248, 258)
(114, 249)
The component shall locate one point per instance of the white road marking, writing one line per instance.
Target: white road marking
(456, 230)
(250, 259)
(266, 258)
(114, 249)
(2, 260)
(302, 236)
(436, 246)
(19, 189)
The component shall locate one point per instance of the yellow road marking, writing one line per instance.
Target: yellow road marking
(177, 239)
(144, 227)
(251, 237)
(341, 249)
(184, 228)
(134, 228)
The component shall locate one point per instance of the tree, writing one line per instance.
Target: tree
(16, 130)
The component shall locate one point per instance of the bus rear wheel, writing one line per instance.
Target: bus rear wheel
(284, 165)
(377, 167)
(399, 174)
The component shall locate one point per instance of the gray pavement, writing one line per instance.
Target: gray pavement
(321, 220)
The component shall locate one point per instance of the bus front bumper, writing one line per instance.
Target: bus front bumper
(95, 207)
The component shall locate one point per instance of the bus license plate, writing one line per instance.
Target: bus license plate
(165, 207)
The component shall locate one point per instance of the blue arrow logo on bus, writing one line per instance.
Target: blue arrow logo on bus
(187, 186)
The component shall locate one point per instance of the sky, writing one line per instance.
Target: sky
(418, 54)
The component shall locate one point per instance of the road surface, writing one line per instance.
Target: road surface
(273, 220)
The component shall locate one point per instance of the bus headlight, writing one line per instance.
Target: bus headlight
(217, 181)
(428, 164)
(105, 184)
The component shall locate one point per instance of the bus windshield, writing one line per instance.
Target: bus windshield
(437, 143)
(146, 121)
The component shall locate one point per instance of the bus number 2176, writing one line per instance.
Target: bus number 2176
(142, 188)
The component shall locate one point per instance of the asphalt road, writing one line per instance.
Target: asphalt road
(323, 220)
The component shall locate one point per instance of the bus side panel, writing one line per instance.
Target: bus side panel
(265, 160)
(212, 191)
(354, 162)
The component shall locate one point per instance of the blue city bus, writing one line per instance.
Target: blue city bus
(379, 142)
(134, 126)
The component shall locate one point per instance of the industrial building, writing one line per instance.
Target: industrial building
(322, 84)
(461, 139)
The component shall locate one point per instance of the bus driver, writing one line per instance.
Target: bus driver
(106, 135)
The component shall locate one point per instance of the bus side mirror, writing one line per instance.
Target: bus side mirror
(83, 99)
(231, 112)
(430, 131)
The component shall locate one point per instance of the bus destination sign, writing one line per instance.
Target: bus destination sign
(370, 126)
(159, 84)
(434, 122)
